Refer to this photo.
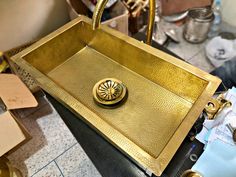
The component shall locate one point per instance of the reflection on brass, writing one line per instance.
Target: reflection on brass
(3, 63)
(109, 91)
(4, 170)
(165, 98)
(215, 106)
(191, 173)
(97, 14)
(7, 170)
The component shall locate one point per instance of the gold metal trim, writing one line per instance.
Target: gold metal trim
(3, 63)
(216, 105)
(97, 14)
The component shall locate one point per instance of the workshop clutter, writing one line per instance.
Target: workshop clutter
(13, 95)
(115, 17)
(198, 18)
(220, 49)
(219, 137)
(130, 16)
(127, 16)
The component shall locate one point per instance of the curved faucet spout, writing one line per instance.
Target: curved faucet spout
(97, 14)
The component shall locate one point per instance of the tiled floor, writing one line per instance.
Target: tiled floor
(73, 166)
(53, 151)
(191, 53)
(184, 49)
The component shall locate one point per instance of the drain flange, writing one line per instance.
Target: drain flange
(109, 92)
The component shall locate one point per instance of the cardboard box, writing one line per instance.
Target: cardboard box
(170, 7)
(11, 133)
(119, 14)
(13, 95)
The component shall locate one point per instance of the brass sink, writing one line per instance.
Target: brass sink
(165, 95)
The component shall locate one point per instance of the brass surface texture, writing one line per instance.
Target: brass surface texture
(149, 109)
(97, 14)
(165, 95)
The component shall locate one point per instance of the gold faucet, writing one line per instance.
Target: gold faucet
(97, 14)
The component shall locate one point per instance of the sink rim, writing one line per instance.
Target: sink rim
(155, 165)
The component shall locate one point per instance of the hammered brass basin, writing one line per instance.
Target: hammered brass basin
(165, 95)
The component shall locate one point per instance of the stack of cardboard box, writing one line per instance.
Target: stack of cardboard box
(13, 95)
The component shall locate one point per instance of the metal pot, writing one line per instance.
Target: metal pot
(198, 23)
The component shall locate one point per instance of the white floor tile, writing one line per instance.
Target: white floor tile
(51, 170)
(202, 62)
(50, 138)
(75, 163)
(185, 49)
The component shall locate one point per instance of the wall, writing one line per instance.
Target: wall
(229, 11)
(26, 20)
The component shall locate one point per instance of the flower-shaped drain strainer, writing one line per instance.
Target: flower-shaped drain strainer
(109, 92)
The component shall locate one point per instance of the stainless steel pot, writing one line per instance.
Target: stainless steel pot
(198, 23)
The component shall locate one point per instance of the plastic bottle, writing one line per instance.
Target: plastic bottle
(215, 28)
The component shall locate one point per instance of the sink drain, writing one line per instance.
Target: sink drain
(109, 92)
